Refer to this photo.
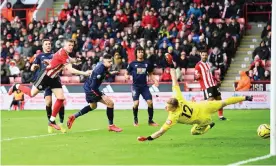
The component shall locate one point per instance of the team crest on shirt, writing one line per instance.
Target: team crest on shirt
(168, 122)
(99, 76)
(146, 65)
(210, 94)
(40, 87)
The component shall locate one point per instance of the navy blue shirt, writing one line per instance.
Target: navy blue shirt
(93, 83)
(139, 71)
(39, 60)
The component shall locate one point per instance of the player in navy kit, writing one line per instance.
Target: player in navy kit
(38, 66)
(139, 70)
(93, 94)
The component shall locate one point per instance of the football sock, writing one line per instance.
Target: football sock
(48, 112)
(57, 106)
(110, 115)
(150, 112)
(83, 111)
(220, 112)
(135, 113)
(234, 100)
(61, 114)
(26, 90)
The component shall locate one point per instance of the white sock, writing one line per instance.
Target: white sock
(52, 119)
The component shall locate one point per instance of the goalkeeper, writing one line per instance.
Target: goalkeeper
(197, 114)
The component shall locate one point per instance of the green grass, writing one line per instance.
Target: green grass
(228, 142)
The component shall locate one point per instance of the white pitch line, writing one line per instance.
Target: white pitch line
(44, 135)
(251, 160)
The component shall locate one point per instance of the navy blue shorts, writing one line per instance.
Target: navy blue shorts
(48, 92)
(92, 97)
(144, 91)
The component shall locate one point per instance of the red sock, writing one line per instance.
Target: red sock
(15, 107)
(57, 106)
(26, 90)
(220, 112)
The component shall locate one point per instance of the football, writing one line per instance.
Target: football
(169, 58)
(263, 131)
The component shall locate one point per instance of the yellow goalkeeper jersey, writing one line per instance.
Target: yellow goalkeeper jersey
(186, 112)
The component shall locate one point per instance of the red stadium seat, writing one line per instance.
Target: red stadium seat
(18, 80)
(228, 21)
(196, 89)
(183, 71)
(158, 71)
(157, 77)
(189, 78)
(241, 21)
(120, 78)
(11, 80)
(122, 72)
(217, 20)
(64, 79)
(190, 71)
(74, 79)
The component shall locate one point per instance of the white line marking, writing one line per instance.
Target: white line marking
(251, 160)
(45, 135)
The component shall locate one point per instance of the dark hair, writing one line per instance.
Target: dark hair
(174, 102)
(203, 51)
(139, 48)
(107, 56)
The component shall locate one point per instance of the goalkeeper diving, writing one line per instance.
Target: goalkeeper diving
(197, 114)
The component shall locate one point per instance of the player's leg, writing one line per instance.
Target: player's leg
(148, 97)
(57, 106)
(83, 111)
(135, 112)
(199, 130)
(220, 111)
(135, 96)
(213, 106)
(38, 85)
(92, 99)
(48, 103)
(110, 113)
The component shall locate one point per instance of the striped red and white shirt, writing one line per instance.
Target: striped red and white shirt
(58, 62)
(204, 75)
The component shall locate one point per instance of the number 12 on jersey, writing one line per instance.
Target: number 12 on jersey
(187, 111)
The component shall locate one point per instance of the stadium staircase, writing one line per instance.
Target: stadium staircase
(243, 56)
(57, 6)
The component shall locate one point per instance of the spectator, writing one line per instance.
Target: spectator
(244, 83)
(194, 58)
(258, 71)
(27, 49)
(267, 75)
(5, 72)
(262, 51)
(27, 74)
(14, 70)
(166, 76)
(183, 62)
(216, 60)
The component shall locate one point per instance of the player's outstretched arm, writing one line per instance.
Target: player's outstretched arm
(174, 77)
(75, 71)
(152, 137)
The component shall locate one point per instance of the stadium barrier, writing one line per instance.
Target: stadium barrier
(124, 100)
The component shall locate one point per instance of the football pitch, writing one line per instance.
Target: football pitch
(25, 140)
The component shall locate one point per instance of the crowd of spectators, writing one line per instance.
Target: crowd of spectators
(260, 66)
(179, 27)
